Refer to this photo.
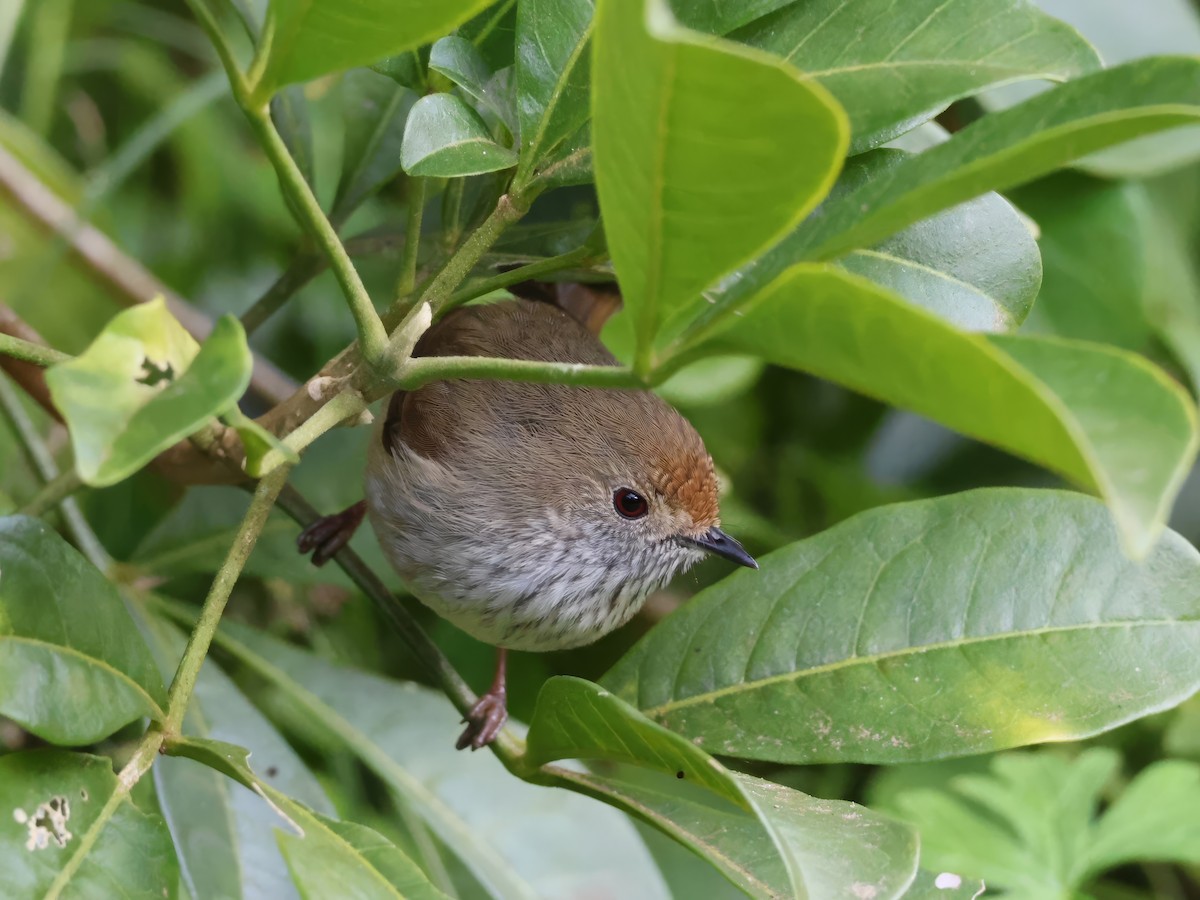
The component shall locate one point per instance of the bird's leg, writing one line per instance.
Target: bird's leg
(329, 534)
(489, 714)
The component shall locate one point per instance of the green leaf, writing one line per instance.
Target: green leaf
(374, 110)
(1008, 148)
(142, 385)
(1093, 243)
(892, 67)
(705, 154)
(315, 37)
(826, 848)
(71, 830)
(445, 138)
(970, 623)
(73, 668)
(1107, 420)
(1153, 819)
(222, 833)
(460, 61)
(405, 734)
(1030, 825)
(1122, 32)
(552, 75)
(976, 265)
(718, 17)
(327, 858)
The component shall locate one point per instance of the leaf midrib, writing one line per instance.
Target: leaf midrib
(874, 658)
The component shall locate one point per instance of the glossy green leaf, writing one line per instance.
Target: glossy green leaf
(719, 17)
(73, 668)
(445, 138)
(893, 67)
(1093, 243)
(1030, 825)
(970, 623)
(374, 110)
(705, 154)
(315, 37)
(976, 265)
(1122, 32)
(327, 858)
(405, 734)
(460, 61)
(70, 830)
(1107, 420)
(224, 833)
(552, 75)
(142, 386)
(767, 839)
(1011, 147)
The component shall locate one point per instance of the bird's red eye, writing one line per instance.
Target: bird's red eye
(630, 503)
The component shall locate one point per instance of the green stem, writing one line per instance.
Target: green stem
(218, 594)
(43, 460)
(424, 369)
(29, 352)
(507, 748)
(131, 773)
(372, 338)
(344, 405)
(53, 492)
(412, 239)
(458, 267)
(302, 270)
(577, 257)
(451, 209)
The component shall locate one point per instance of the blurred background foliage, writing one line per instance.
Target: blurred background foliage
(118, 108)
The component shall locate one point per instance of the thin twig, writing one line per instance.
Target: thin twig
(424, 369)
(125, 276)
(29, 352)
(578, 257)
(53, 492)
(218, 595)
(303, 269)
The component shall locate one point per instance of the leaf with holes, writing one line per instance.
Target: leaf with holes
(73, 668)
(961, 625)
(71, 830)
(142, 385)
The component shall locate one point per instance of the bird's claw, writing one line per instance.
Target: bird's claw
(329, 534)
(484, 721)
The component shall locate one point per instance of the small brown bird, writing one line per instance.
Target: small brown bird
(532, 516)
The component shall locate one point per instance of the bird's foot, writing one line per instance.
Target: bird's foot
(329, 534)
(484, 721)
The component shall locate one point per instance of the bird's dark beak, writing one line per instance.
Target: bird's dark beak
(716, 541)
